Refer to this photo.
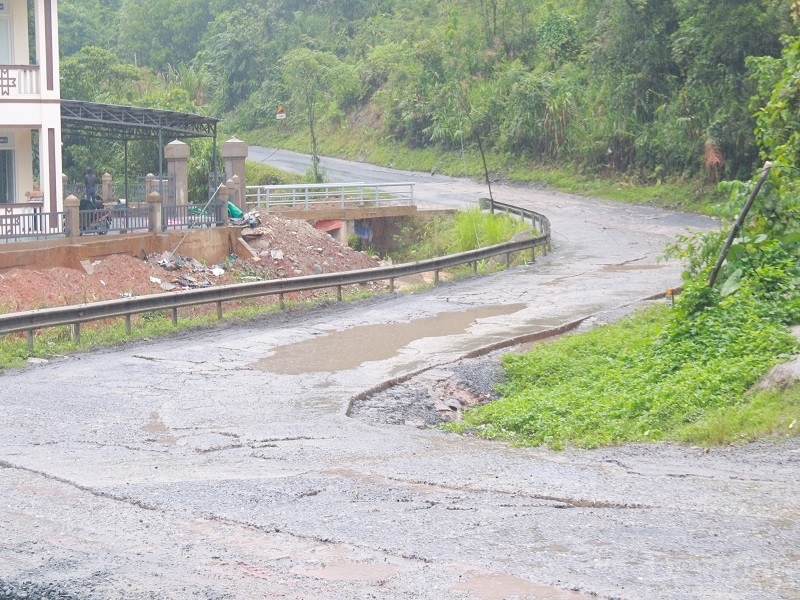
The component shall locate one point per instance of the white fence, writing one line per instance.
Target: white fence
(322, 195)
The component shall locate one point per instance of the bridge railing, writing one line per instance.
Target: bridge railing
(324, 195)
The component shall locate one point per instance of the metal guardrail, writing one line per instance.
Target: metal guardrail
(30, 321)
(307, 196)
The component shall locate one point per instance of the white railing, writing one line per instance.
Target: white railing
(19, 80)
(324, 195)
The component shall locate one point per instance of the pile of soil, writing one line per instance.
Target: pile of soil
(286, 248)
(290, 248)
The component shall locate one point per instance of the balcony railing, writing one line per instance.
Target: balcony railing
(18, 81)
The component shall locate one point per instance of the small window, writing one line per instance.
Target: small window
(7, 193)
(5, 41)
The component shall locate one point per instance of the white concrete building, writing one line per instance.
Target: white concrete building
(30, 107)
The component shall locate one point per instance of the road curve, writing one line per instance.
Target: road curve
(220, 463)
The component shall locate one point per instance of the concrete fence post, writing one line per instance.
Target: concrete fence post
(241, 197)
(234, 153)
(154, 203)
(222, 198)
(72, 217)
(233, 193)
(107, 194)
(149, 183)
(64, 182)
(177, 154)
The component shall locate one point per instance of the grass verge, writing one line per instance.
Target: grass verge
(644, 379)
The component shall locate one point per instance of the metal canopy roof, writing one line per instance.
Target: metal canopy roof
(126, 123)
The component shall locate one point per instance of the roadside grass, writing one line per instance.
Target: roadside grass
(644, 379)
(449, 234)
(262, 174)
(763, 414)
(365, 144)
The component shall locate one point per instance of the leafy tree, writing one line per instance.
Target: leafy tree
(87, 23)
(236, 47)
(98, 75)
(311, 77)
(162, 32)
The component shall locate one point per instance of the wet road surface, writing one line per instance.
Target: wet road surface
(221, 464)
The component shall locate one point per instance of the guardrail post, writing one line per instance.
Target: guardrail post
(128, 324)
(72, 225)
(339, 293)
(533, 254)
(76, 332)
(391, 284)
(154, 204)
(436, 277)
(29, 339)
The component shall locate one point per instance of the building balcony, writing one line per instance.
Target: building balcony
(21, 82)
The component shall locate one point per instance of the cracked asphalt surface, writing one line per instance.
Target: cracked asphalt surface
(222, 464)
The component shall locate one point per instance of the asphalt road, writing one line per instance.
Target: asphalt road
(221, 464)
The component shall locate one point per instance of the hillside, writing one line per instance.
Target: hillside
(653, 89)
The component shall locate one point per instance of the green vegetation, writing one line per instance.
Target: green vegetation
(659, 375)
(453, 233)
(683, 374)
(261, 174)
(648, 92)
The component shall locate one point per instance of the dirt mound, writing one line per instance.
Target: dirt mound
(286, 248)
(289, 248)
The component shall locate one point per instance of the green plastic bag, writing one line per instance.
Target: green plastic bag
(234, 212)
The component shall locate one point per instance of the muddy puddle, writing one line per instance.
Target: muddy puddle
(623, 268)
(347, 349)
(499, 587)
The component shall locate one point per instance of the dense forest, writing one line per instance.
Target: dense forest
(653, 88)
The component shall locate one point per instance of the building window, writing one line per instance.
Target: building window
(7, 195)
(5, 40)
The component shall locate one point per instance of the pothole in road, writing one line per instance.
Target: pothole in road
(433, 397)
(347, 349)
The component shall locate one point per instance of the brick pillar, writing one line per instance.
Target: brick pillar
(73, 218)
(234, 152)
(154, 203)
(177, 155)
